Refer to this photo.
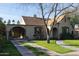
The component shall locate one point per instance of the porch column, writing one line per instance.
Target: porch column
(7, 34)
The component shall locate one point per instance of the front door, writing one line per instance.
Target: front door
(55, 33)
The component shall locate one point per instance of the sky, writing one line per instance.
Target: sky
(14, 11)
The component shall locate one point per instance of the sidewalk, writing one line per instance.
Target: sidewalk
(23, 50)
(75, 51)
(60, 42)
(50, 53)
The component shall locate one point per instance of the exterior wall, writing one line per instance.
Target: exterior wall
(9, 27)
(44, 32)
(29, 30)
(76, 34)
(60, 25)
(22, 21)
(76, 31)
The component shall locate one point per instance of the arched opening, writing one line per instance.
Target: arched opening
(55, 33)
(17, 33)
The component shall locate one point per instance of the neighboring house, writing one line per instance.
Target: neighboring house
(76, 31)
(34, 27)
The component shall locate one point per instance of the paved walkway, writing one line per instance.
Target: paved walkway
(60, 42)
(50, 53)
(23, 50)
(75, 49)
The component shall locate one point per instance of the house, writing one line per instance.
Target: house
(76, 31)
(34, 28)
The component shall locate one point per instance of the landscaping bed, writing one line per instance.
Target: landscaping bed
(8, 49)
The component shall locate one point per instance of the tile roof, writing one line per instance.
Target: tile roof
(50, 22)
(39, 21)
(32, 20)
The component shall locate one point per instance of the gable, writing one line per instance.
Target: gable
(39, 21)
(33, 20)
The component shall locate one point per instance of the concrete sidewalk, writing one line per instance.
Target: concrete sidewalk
(75, 51)
(40, 48)
(23, 50)
(61, 43)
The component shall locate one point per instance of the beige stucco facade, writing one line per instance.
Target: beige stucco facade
(61, 24)
(30, 29)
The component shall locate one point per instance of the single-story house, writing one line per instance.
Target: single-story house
(34, 27)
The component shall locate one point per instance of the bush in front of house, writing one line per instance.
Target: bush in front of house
(66, 36)
(2, 34)
(2, 42)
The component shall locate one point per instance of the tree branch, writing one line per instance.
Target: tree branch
(64, 9)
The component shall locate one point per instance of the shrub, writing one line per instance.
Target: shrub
(2, 42)
(66, 36)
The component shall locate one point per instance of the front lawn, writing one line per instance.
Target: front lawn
(35, 50)
(72, 42)
(8, 49)
(53, 46)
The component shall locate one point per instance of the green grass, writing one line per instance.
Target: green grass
(36, 51)
(9, 50)
(53, 46)
(72, 42)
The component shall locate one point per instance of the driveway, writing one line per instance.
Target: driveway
(23, 50)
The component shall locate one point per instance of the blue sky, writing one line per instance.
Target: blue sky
(15, 11)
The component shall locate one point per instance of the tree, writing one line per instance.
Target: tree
(13, 21)
(9, 21)
(74, 17)
(53, 9)
(2, 27)
(74, 20)
(4, 22)
(18, 22)
(2, 34)
(1, 19)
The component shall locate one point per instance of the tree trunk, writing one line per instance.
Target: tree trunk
(48, 38)
(48, 35)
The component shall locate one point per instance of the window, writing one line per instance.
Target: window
(37, 30)
(65, 29)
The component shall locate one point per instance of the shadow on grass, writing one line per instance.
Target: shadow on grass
(36, 51)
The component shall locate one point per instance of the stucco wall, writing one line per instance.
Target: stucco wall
(59, 27)
(29, 30)
(63, 24)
